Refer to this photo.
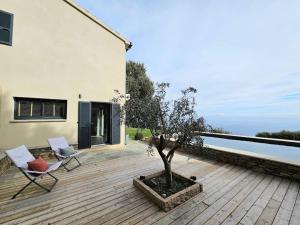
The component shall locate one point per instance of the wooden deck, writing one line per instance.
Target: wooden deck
(101, 192)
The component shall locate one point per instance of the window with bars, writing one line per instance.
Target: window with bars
(36, 108)
(6, 28)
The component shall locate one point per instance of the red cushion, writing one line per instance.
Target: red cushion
(38, 164)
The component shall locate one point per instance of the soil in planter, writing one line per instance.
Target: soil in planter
(159, 185)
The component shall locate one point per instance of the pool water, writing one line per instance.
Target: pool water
(284, 152)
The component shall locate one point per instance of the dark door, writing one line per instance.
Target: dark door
(84, 125)
(115, 124)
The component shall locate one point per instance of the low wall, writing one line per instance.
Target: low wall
(4, 163)
(257, 162)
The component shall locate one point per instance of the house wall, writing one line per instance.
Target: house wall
(57, 53)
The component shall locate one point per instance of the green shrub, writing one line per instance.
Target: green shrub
(138, 136)
(132, 131)
(289, 135)
(218, 130)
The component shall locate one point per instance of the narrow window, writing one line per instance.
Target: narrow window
(36, 108)
(59, 109)
(6, 28)
(48, 109)
(25, 108)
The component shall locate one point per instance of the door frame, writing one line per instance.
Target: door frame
(111, 139)
(108, 119)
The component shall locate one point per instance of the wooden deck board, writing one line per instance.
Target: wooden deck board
(285, 211)
(101, 192)
(240, 183)
(295, 219)
(223, 213)
(256, 210)
(269, 212)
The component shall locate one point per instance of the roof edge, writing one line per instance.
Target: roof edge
(127, 43)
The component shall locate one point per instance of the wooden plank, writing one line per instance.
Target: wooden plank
(95, 210)
(107, 213)
(81, 179)
(216, 171)
(192, 213)
(59, 196)
(56, 198)
(256, 210)
(285, 211)
(121, 215)
(270, 211)
(216, 206)
(54, 207)
(148, 213)
(196, 208)
(209, 201)
(223, 213)
(53, 211)
(77, 200)
(101, 192)
(295, 219)
(64, 180)
(194, 205)
(211, 184)
(242, 209)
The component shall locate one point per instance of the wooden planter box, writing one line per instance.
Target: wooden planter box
(172, 201)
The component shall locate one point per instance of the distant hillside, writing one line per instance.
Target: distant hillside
(289, 135)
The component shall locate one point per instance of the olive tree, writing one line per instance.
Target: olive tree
(172, 123)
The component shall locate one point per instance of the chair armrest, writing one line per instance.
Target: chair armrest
(36, 172)
(61, 156)
(76, 153)
(69, 156)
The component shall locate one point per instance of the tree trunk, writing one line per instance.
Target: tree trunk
(168, 174)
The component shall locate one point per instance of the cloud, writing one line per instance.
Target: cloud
(242, 56)
(295, 96)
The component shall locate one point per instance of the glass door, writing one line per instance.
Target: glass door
(99, 124)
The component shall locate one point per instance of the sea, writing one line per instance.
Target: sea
(249, 126)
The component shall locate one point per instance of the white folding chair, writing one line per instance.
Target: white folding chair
(20, 156)
(59, 143)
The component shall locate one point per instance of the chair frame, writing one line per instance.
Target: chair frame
(20, 156)
(27, 175)
(65, 159)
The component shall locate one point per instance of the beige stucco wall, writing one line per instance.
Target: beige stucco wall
(57, 53)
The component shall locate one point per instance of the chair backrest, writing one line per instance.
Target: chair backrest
(57, 143)
(20, 156)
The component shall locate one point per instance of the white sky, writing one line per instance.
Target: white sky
(242, 56)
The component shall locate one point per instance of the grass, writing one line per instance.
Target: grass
(131, 131)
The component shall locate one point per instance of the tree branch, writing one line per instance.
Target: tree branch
(171, 153)
(171, 156)
(153, 137)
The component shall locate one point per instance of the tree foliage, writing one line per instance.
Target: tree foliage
(140, 88)
(171, 123)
